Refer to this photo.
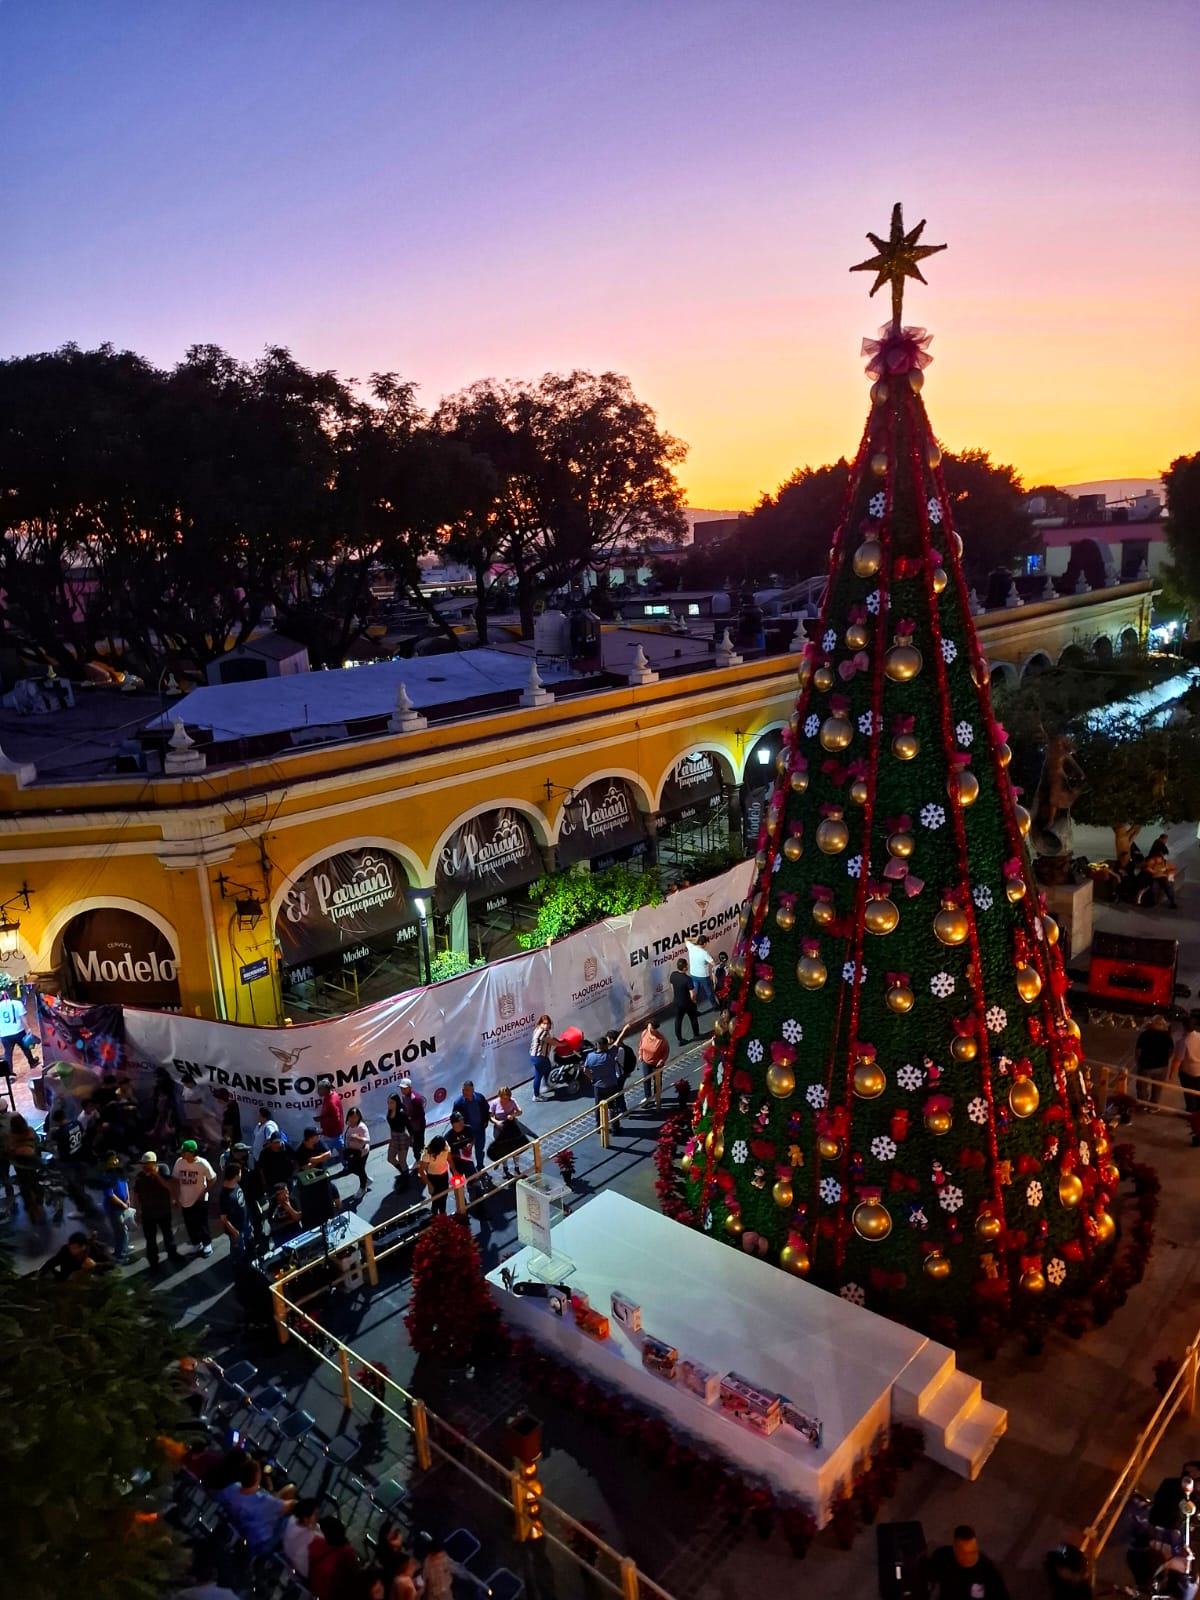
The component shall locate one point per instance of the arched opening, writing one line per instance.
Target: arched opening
(1130, 642)
(1088, 560)
(1074, 657)
(1102, 650)
(1002, 675)
(605, 821)
(758, 779)
(1035, 665)
(483, 869)
(697, 826)
(112, 955)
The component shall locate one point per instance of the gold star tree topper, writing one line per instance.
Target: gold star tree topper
(897, 259)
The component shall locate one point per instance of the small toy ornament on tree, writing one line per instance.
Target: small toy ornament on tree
(943, 1165)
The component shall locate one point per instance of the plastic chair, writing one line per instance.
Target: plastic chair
(504, 1585)
(343, 1449)
(462, 1547)
(240, 1374)
(268, 1400)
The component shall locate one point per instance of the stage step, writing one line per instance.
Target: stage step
(922, 1377)
(961, 1427)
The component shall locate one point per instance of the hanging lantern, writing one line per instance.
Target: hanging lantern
(951, 924)
(879, 464)
(859, 792)
(832, 833)
(938, 1115)
(798, 782)
(1023, 1097)
(810, 969)
(1003, 754)
(1029, 983)
(871, 1218)
(899, 995)
(963, 1048)
(794, 1256)
(1014, 888)
(869, 1081)
(1106, 1228)
(1050, 929)
(823, 679)
(1070, 1190)
(781, 1193)
(828, 1148)
(901, 844)
(857, 637)
(903, 661)
(963, 787)
(880, 914)
(868, 558)
(1033, 1279)
(936, 1266)
(836, 734)
(939, 579)
(988, 1227)
(1024, 821)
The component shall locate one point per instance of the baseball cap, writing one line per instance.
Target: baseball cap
(404, 1083)
(189, 1147)
(149, 1159)
(274, 1136)
(240, 1146)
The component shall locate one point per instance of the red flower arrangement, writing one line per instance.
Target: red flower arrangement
(565, 1162)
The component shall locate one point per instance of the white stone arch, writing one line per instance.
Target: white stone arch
(1002, 672)
(635, 780)
(531, 813)
(412, 862)
(711, 747)
(1073, 645)
(1103, 648)
(54, 928)
(1032, 660)
(750, 740)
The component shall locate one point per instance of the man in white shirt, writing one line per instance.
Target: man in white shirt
(12, 1029)
(265, 1130)
(700, 965)
(194, 1181)
(299, 1531)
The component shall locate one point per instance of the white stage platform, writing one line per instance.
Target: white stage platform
(854, 1370)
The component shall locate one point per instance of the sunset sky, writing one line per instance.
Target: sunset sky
(675, 191)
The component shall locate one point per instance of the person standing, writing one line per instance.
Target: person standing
(194, 1182)
(235, 1215)
(152, 1208)
(720, 976)
(604, 1066)
(959, 1571)
(13, 1032)
(330, 1118)
(357, 1149)
(476, 1115)
(510, 1136)
(265, 1126)
(66, 1135)
(540, 1048)
(399, 1139)
(1152, 1058)
(700, 965)
(683, 995)
(434, 1169)
(117, 1208)
(413, 1106)
(1158, 872)
(276, 1166)
(653, 1051)
(1187, 1065)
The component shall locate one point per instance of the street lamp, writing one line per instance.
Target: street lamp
(10, 929)
(247, 905)
(421, 900)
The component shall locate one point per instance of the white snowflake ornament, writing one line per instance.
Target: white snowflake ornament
(853, 1293)
(854, 866)
(1056, 1271)
(983, 896)
(1033, 1193)
(865, 723)
(949, 651)
(708, 1222)
(829, 640)
(996, 1018)
(934, 510)
(883, 1148)
(764, 947)
(792, 1031)
(950, 1197)
(849, 970)
(719, 1074)
(932, 816)
(964, 733)
(739, 1152)
(910, 1077)
(831, 1191)
(754, 1051)
(877, 504)
(942, 985)
(816, 1096)
(872, 602)
(977, 1110)
(812, 726)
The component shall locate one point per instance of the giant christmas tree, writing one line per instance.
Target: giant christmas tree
(895, 1104)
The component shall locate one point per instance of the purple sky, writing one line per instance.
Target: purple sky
(674, 191)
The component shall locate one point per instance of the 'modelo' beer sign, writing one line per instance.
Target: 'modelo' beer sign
(115, 957)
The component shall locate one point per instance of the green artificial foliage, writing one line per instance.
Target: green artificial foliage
(968, 1220)
(86, 1391)
(451, 964)
(570, 900)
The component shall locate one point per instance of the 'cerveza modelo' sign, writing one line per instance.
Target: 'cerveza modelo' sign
(114, 957)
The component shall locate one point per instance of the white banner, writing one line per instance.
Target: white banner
(477, 1026)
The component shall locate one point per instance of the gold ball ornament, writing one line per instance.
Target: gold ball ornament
(1033, 1281)
(872, 1220)
(1003, 754)
(785, 917)
(857, 637)
(836, 734)
(1050, 929)
(936, 1266)
(721, 1024)
(879, 464)
(811, 972)
(900, 999)
(880, 916)
(879, 392)
(868, 558)
(832, 834)
(781, 1080)
(869, 1080)
(906, 747)
(829, 1148)
(782, 1193)
(916, 380)
(1106, 1228)
(951, 925)
(823, 679)
(1073, 1028)
(940, 579)
(1014, 888)
(781, 763)
(859, 792)
(764, 989)
(1070, 1190)
(1101, 1146)
(715, 1144)
(760, 861)
(956, 541)
(798, 782)
(793, 849)
(933, 457)
(938, 1120)
(733, 1223)
(685, 1161)
(823, 913)
(964, 787)
(988, 1227)
(1029, 983)
(1023, 1097)
(794, 1257)
(901, 844)
(1024, 821)
(903, 661)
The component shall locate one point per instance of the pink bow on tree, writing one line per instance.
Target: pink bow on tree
(858, 662)
(898, 872)
(896, 351)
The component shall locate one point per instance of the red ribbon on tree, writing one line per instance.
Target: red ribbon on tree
(902, 823)
(901, 1183)
(883, 1281)
(819, 892)
(903, 725)
(897, 979)
(896, 351)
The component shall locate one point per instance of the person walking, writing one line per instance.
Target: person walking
(604, 1066)
(263, 1129)
(959, 1571)
(357, 1149)
(434, 1171)
(66, 1136)
(1152, 1057)
(413, 1106)
(476, 1115)
(683, 995)
(152, 1209)
(117, 1207)
(541, 1047)
(194, 1182)
(653, 1051)
(13, 1032)
(700, 966)
(1187, 1065)
(399, 1139)
(330, 1118)
(510, 1136)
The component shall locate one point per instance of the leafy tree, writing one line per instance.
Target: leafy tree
(988, 506)
(789, 531)
(1182, 479)
(570, 900)
(581, 467)
(85, 1387)
(1137, 775)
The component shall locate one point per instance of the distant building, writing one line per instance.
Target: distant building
(267, 655)
(717, 530)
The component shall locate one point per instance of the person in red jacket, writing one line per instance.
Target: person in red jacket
(330, 1118)
(332, 1562)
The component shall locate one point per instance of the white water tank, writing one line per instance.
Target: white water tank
(552, 634)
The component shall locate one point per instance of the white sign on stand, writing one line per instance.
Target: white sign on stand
(535, 1196)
